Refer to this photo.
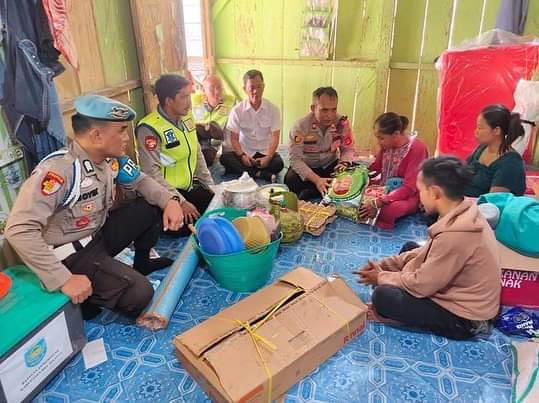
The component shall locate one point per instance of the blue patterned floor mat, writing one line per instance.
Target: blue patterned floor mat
(384, 364)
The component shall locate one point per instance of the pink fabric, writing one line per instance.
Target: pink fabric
(391, 212)
(391, 160)
(63, 41)
(404, 200)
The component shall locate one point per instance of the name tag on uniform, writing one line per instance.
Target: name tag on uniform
(171, 139)
(189, 125)
(222, 110)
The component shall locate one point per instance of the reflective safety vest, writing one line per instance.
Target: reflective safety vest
(178, 145)
(219, 114)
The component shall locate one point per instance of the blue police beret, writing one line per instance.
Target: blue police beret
(103, 108)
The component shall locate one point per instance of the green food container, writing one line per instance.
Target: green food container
(244, 271)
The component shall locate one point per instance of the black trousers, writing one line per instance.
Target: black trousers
(305, 189)
(234, 166)
(209, 156)
(204, 136)
(420, 313)
(115, 285)
(200, 197)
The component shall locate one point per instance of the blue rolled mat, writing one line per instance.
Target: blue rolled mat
(166, 297)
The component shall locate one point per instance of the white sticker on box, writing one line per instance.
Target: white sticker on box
(30, 364)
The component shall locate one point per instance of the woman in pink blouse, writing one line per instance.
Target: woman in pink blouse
(396, 167)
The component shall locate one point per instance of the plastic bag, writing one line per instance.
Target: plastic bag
(527, 104)
(494, 37)
(519, 322)
(240, 193)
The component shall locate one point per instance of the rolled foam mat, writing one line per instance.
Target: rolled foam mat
(167, 295)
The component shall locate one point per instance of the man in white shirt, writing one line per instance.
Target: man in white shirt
(255, 130)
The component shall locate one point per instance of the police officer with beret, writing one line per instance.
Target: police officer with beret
(62, 224)
(320, 144)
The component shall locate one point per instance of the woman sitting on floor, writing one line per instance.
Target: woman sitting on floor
(399, 159)
(451, 285)
(497, 166)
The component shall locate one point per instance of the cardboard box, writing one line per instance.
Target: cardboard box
(520, 279)
(299, 322)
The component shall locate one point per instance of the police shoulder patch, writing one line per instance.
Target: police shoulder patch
(150, 143)
(298, 137)
(348, 140)
(51, 183)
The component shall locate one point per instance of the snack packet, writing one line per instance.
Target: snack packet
(346, 191)
(519, 322)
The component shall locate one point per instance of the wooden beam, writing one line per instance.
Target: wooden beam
(411, 66)
(207, 36)
(302, 62)
(384, 55)
(111, 92)
(159, 33)
(147, 93)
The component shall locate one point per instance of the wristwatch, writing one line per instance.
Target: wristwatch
(177, 198)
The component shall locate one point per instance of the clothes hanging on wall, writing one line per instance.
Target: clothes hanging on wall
(59, 26)
(512, 16)
(30, 102)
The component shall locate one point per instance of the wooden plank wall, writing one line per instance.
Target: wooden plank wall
(265, 35)
(104, 35)
(423, 30)
(369, 76)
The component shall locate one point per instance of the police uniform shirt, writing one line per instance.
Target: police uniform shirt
(311, 147)
(254, 127)
(38, 221)
(148, 148)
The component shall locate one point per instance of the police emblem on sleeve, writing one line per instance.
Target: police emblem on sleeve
(298, 138)
(51, 183)
(150, 142)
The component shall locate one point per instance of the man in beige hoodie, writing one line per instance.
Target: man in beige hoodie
(451, 285)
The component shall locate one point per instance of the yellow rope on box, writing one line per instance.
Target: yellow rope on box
(260, 341)
(342, 318)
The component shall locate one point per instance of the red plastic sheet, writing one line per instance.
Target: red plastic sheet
(472, 79)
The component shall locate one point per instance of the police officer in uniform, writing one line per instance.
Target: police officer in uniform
(320, 144)
(168, 148)
(62, 224)
(211, 109)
